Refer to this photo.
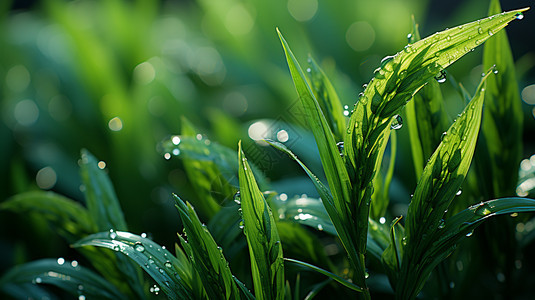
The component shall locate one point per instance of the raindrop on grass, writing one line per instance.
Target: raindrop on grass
(409, 37)
(237, 198)
(469, 234)
(37, 280)
(242, 224)
(441, 224)
(61, 261)
(112, 234)
(444, 137)
(320, 227)
(340, 146)
(139, 247)
(168, 264)
(397, 122)
(346, 110)
(519, 16)
(459, 192)
(480, 30)
(441, 78)
(482, 210)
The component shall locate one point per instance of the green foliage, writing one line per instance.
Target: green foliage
(271, 242)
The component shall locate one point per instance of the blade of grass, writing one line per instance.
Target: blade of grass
(100, 196)
(426, 117)
(327, 98)
(172, 274)
(68, 276)
(438, 185)
(262, 237)
(501, 139)
(334, 168)
(207, 257)
(326, 273)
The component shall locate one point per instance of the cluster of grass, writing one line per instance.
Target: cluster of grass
(347, 242)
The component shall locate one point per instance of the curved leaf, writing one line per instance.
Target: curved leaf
(438, 185)
(207, 258)
(66, 275)
(172, 274)
(262, 237)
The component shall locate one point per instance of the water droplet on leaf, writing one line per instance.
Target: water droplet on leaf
(139, 247)
(112, 234)
(397, 122)
(340, 146)
(441, 78)
(441, 224)
(237, 198)
(519, 16)
(469, 234)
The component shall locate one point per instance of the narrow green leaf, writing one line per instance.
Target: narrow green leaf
(461, 226)
(326, 273)
(100, 196)
(207, 257)
(173, 275)
(438, 185)
(69, 218)
(500, 147)
(66, 275)
(329, 203)
(376, 247)
(426, 117)
(393, 254)
(262, 237)
(381, 183)
(333, 165)
(327, 98)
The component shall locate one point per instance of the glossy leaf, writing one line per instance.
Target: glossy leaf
(100, 196)
(333, 164)
(327, 98)
(262, 236)
(66, 275)
(326, 273)
(426, 116)
(438, 185)
(207, 257)
(500, 144)
(172, 274)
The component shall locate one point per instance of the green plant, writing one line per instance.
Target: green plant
(351, 155)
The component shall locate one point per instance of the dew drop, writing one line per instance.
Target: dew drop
(340, 146)
(237, 198)
(81, 297)
(346, 110)
(444, 137)
(61, 261)
(143, 235)
(490, 32)
(441, 78)
(139, 247)
(382, 220)
(519, 16)
(386, 60)
(404, 241)
(309, 70)
(480, 30)
(482, 210)
(409, 37)
(74, 264)
(242, 224)
(38, 280)
(495, 71)
(397, 122)
(112, 234)
(469, 234)
(459, 192)
(320, 227)
(167, 156)
(80, 287)
(168, 264)
(441, 224)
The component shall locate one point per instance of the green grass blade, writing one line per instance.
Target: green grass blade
(461, 226)
(327, 98)
(68, 218)
(338, 220)
(66, 275)
(500, 145)
(207, 257)
(381, 183)
(426, 118)
(326, 273)
(333, 164)
(265, 248)
(100, 196)
(438, 185)
(330, 210)
(172, 274)
(393, 254)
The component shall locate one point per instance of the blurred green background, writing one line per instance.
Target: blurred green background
(116, 77)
